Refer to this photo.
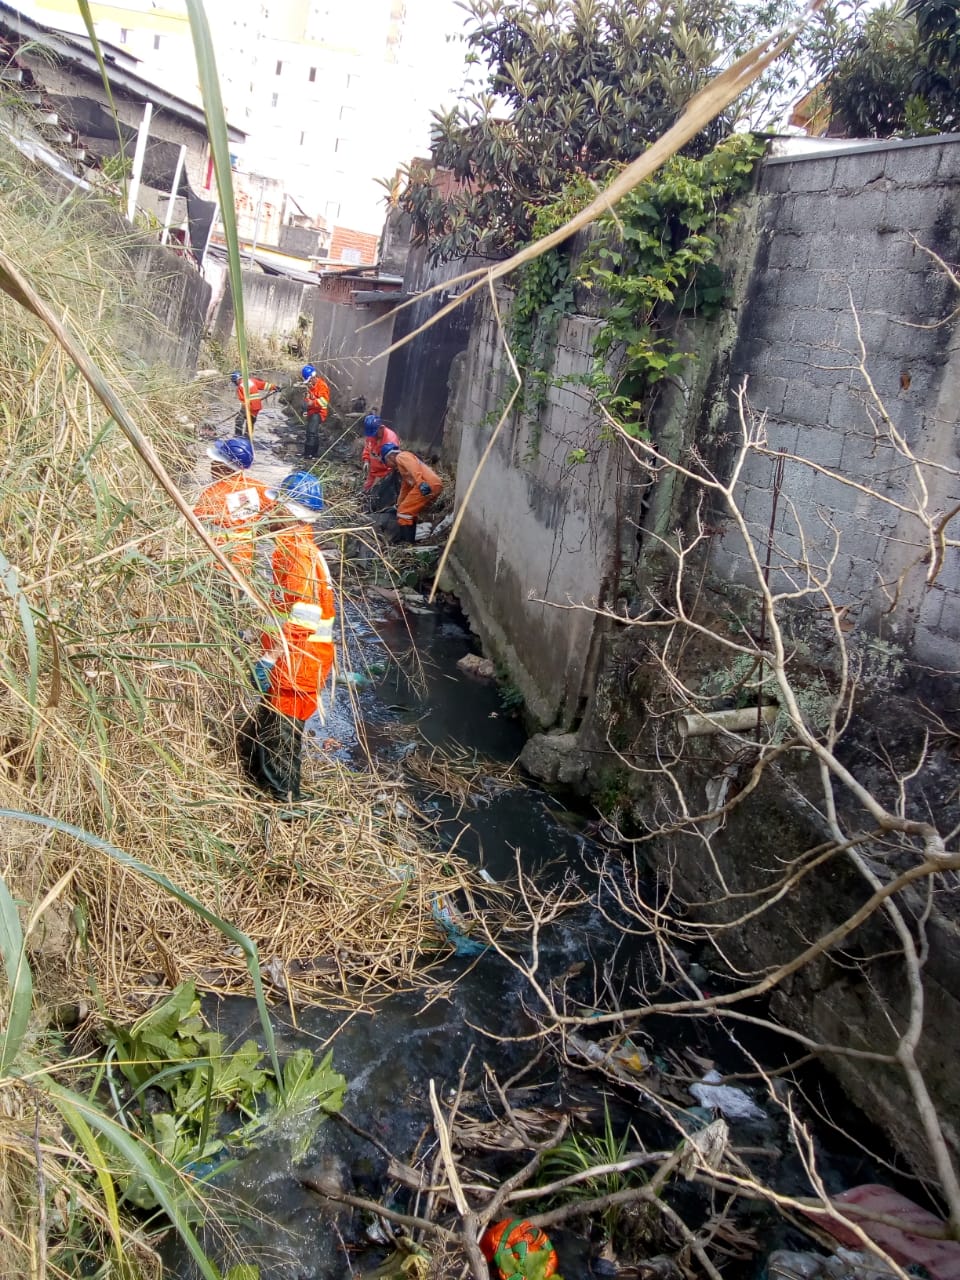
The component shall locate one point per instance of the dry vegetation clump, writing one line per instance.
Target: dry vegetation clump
(121, 673)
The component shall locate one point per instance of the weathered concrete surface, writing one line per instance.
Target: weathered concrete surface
(170, 298)
(346, 350)
(272, 306)
(838, 236)
(533, 556)
(417, 388)
(818, 232)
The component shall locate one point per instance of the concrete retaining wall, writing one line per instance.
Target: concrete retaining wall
(539, 528)
(272, 305)
(170, 304)
(822, 237)
(346, 350)
(838, 236)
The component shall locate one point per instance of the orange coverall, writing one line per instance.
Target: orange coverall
(252, 391)
(413, 474)
(301, 576)
(234, 505)
(374, 468)
(300, 672)
(317, 398)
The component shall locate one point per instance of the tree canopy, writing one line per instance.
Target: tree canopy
(891, 70)
(568, 88)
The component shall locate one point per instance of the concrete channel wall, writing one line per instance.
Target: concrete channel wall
(840, 259)
(821, 238)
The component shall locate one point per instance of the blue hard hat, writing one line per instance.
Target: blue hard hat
(237, 452)
(308, 371)
(371, 424)
(301, 493)
(235, 377)
(387, 450)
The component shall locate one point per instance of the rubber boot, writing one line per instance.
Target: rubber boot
(311, 443)
(271, 751)
(405, 533)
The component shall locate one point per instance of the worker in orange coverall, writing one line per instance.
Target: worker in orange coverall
(249, 393)
(234, 502)
(299, 655)
(376, 434)
(419, 488)
(316, 406)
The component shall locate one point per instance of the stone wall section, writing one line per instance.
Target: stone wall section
(838, 249)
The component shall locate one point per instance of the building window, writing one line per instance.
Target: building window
(279, 67)
(123, 35)
(313, 74)
(274, 99)
(156, 42)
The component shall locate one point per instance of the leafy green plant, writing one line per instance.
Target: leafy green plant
(588, 85)
(172, 1054)
(578, 1153)
(658, 260)
(544, 295)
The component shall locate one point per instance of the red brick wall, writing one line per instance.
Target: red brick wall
(344, 238)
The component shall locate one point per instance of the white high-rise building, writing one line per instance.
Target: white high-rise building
(333, 94)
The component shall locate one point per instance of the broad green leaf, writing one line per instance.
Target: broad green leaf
(19, 979)
(162, 1181)
(220, 149)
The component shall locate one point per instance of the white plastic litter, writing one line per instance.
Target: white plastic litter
(732, 1103)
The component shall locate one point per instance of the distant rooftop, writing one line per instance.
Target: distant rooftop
(77, 51)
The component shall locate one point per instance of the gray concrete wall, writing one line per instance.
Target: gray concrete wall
(347, 351)
(539, 529)
(819, 233)
(169, 301)
(840, 235)
(272, 306)
(821, 238)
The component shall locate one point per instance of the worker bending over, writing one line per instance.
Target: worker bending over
(419, 488)
(376, 434)
(233, 504)
(316, 406)
(298, 654)
(249, 393)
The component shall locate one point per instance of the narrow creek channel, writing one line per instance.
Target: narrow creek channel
(476, 1005)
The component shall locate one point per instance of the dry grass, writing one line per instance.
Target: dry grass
(117, 715)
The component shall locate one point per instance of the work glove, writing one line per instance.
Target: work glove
(425, 489)
(261, 674)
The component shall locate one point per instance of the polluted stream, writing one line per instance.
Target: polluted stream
(473, 1021)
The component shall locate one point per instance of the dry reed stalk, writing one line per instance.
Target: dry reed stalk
(120, 673)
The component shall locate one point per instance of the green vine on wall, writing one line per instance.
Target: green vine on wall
(655, 260)
(658, 261)
(544, 296)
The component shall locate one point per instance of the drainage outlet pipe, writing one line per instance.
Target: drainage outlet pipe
(697, 724)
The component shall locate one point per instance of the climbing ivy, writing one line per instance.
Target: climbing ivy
(655, 259)
(544, 296)
(658, 260)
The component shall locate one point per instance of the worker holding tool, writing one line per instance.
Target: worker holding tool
(316, 406)
(419, 488)
(249, 393)
(298, 655)
(376, 434)
(234, 502)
